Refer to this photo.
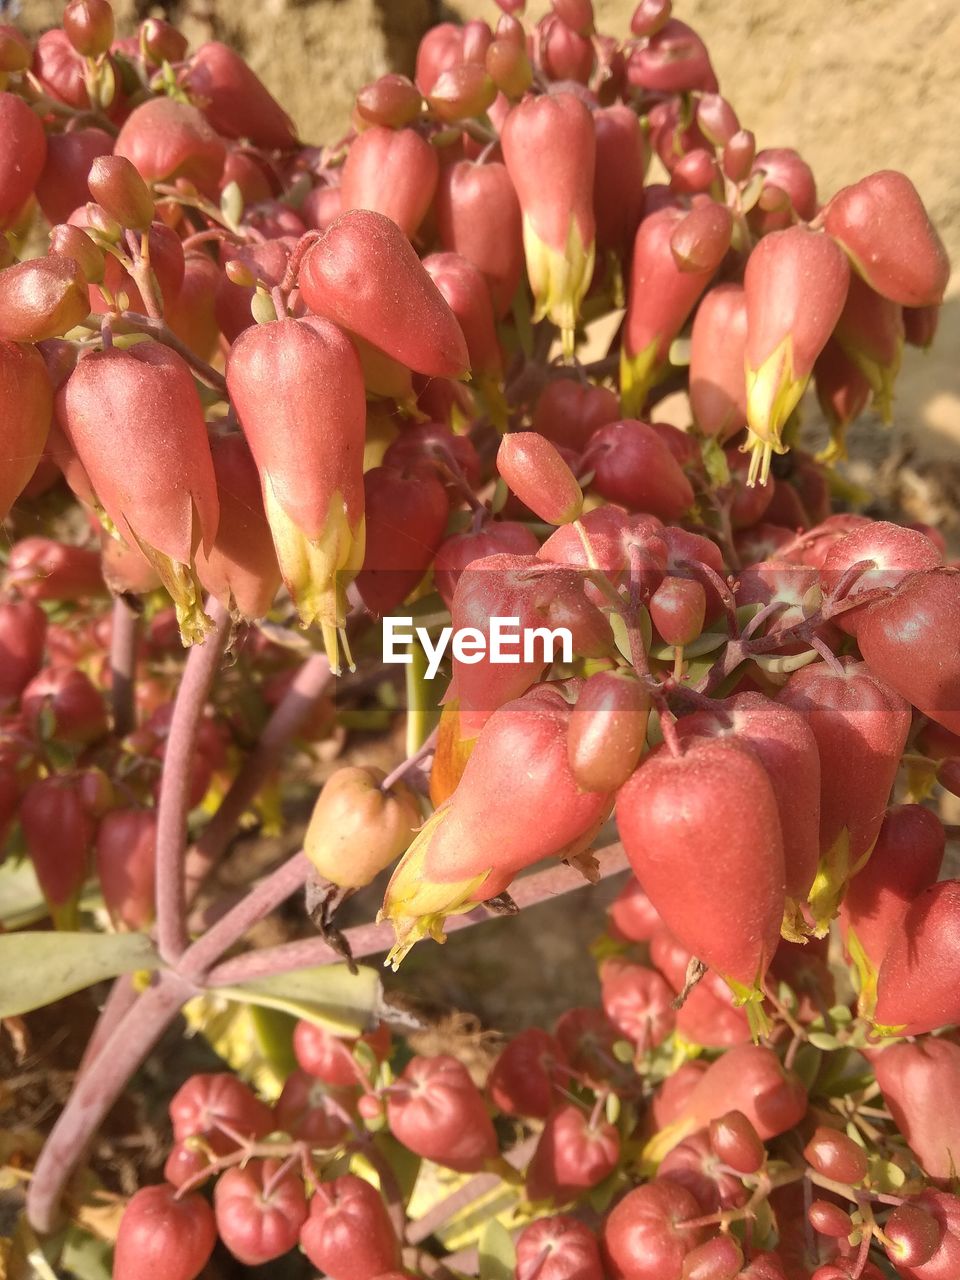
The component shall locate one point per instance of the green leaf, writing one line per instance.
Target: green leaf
(497, 1254)
(821, 1040)
(329, 995)
(39, 968)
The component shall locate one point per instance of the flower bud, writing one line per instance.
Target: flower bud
(673, 60)
(618, 178)
(718, 1259)
(236, 101)
(70, 242)
(573, 1154)
(161, 42)
(912, 1236)
(459, 551)
(738, 155)
(649, 16)
(392, 171)
(549, 147)
(23, 630)
(26, 406)
(716, 119)
(461, 92)
(569, 411)
(468, 296)
(117, 187)
(165, 140)
(23, 150)
(478, 216)
(43, 569)
(538, 475)
(677, 609)
(696, 172)
(884, 228)
(660, 299)
(608, 730)
(737, 1143)
(143, 403)
(836, 1156)
(406, 517)
(125, 862)
(786, 171)
(842, 393)
(64, 703)
(41, 298)
(241, 568)
(356, 829)
(870, 332)
(473, 846)
(796, 285)
(921, 1089)
(58, 834)
(718, 388)
(348, 1234)
(701, 240)
(633, 466)
(341, 277)
(509, 67)
(558, 1248)
(393, 100)
(89, 26)
(307, 442)
(564, 56)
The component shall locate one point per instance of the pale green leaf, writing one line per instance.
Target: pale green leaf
(329, 995)
(497, 1254)
(38, 968)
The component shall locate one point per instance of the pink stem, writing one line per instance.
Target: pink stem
(95, 1092)
(369, 939)
(173, 805)
(123, 995)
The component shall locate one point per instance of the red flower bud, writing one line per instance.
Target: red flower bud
(143, 403)
(259, 1210)
(721, 784)
(660, 299)
(673, 60)
(738, 155)
(632, 466)
(330, 1058)
(718, 389)
(89, 26)
(126, 866)
(461, 92)
(736, 1142)
(618, 177)
(716, 119)
(70, 242)
(870, 332)
(23, 151)
(348, 1235)
(921, 1088)
(467, 294)
(192, 314)
(549, 147)
(166, 140)
(842, 393)
(67, 701)
(828, 1219)
(59, 833)
(564, 56)
(41, 298)
(920, 325)
(649, 16)
(393, 100)
(708, 1015)
(718, 1259)
(459, 551)
(915, 988)
(62, 186)
(437, 1112)
(406, 517)
(478, 216)
(558, 1248)
(203, 1100)
(786, 171)
(608, 730)
(241, 567)
(526, 1077)
(700, 242)
(116, 185)
(861, 726)
(881, 223)
(26, 405)
(163, 1236)
(538, 475)
(393, 172)
(508, 66)
(310, 1111)
(677, 609)
(639, 1003)
(796, 285)
(632, 915)
(571, 1156)
(307, 442)
(913, 1235)
(235, 101)
(161, 42)
(836, 1156)
(645, 1235)
(341, 280)
(569, 411)
(473, 846)
(696, 173)
(356, 829)
(23, 630)
(905, 860)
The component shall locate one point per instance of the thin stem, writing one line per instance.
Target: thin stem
(124, 633)
(429, 746)
(158, 329)
(289, 717)
(173, 805)
(265, 897)
(95, 1092)
(371, 939)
